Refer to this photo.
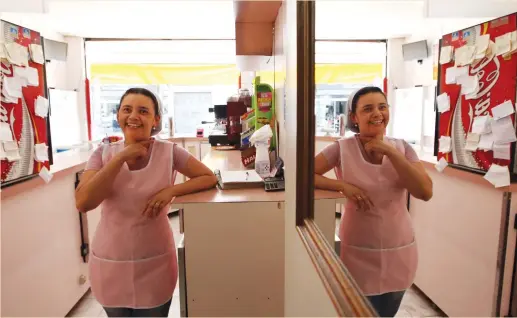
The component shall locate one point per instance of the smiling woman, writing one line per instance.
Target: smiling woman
(375, 173)
(133, 269)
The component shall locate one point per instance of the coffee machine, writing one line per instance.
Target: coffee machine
(227, 129)
(218, 134)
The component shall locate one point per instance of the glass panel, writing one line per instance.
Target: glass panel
(341, 68)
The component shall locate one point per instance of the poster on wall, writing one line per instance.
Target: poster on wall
(24, 134)
(477, 95)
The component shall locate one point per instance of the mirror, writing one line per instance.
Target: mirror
(358, 159)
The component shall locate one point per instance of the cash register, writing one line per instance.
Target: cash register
(277, 182)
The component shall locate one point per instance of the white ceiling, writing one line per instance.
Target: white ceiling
(214, 19)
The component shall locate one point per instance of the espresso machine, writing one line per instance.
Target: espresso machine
(227, 129)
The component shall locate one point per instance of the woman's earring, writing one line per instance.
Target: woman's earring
(355, 125)
(154, 128)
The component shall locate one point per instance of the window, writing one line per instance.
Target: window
(187, 105)
(341, 68)
(186, 77)
(413, 117)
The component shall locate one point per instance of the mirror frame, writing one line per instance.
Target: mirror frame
(341, 287)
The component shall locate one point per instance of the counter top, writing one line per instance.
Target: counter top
(67, 162)
(231, 160)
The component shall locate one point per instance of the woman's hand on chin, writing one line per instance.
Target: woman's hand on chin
(376, 145)
(135, 151)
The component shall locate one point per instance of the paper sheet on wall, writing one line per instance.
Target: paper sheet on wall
(482, 43)
(11, 150)
(37, 53)
(6, 133)
(486, 142)
(443, 102)
(446, 54)
(502, 151)
(45, 175)
(21, 73)
(450, 75)
(32, 76)
(464, 55)
(13, 87)
(28, 75)
(453, 73)
(503, 44)
(41, 152)
(503, 130)
(503, 110)
(444, 144)
(481, 125)
(17, 54)
(469, 84)
(441, 165)
(498, 176)
(472, 142)
(41, 107)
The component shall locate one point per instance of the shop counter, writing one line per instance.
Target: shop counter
(234, 246)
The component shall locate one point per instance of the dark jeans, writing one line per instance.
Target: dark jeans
(160, 311)
(387, 304)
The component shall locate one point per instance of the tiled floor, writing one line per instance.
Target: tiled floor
(414, 304)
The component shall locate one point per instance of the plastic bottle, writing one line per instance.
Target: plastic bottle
(262, 163)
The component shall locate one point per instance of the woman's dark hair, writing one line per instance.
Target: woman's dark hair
(146, 93)
(363, 91)
(352, 104)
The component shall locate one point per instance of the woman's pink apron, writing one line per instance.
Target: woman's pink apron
(377, 246)
(133, 261)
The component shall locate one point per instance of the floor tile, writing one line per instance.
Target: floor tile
(174, 311)
(416, 304)
(86, 307)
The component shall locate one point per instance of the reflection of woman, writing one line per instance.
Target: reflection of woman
(133, 267)
(375, 173)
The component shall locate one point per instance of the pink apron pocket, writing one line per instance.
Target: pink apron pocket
(155, 280)
(111, 282)
(399, 267)
(365, 267)
(379, 271)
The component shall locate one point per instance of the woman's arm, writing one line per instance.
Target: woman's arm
(321, 166)
(96, 185)
(412, 175)
(200, 178)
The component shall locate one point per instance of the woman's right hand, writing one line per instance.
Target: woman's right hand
(135, 151)
(357, 195)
